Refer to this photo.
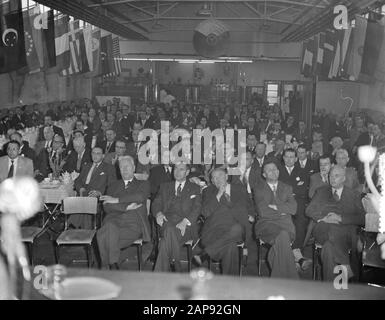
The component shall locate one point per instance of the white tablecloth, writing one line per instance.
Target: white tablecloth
(57, 194)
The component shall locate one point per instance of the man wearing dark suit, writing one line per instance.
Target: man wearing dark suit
(126, 215)
(321, 178)
(51, 158)
(158, 175)
(277, 152)
(275, 206)
(108, 145)
(18, 120)
(298, 179)
(337, 212)
(112, 158)
(226, 212)
(93, 181)
(306, 165)
(78, 158)
(49, 123)
(25, 150)
(301, 135)
(252, 128)
(176, 209)
(351, 176)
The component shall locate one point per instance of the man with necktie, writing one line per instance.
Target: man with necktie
(275, 206)
(298, 179)
(176, 209)
(108, 145)
(321, 178)
(225, 208)
(126, 217)
(337, 212)
(13, 165)
(79, 157)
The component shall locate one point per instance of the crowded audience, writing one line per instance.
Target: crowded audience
(300, 180)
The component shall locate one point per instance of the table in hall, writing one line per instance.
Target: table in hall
(173, 286)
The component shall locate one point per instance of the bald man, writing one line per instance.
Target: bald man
(337, 212)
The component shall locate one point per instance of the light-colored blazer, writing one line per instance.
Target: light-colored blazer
(24, 167)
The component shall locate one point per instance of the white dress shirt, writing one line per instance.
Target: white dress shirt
(177, 183)
(227, 190)
(303, 163)
(339, 191)
(289, 170)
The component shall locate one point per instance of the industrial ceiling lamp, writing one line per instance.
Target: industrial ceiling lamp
(206, 10)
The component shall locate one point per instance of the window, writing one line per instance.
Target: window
(272, 93)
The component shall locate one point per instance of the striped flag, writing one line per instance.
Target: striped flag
(78, 56)
(106, 54)
(116, 56)
(308, 57)
(372, 47)
(329, 47)
(30, 43)
(353, 60)
(92, 43)
(62, 48)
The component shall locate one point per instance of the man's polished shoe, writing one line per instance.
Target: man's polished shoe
(304, 263)
(199, 259)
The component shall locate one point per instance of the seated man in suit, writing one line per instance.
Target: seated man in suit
(48, 134)
(126, 215)
(337, 211)
(307, 165)
(225, 207)
(112, 158)
(50, 159)
(351, 176)
(49, 123)
(12, 165)
(176, 209)
(277, 153)
(275, 206)
(25, 150)
(321, 178)
(108, 145)
(298, 179)
(260, 155)
(77, 158)
(93, 180)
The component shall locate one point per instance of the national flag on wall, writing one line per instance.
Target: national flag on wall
(12, 45)
(320, 53)
(116, 56)
(30, 45)
(62, 43)
(353, 60)
(43, 35)
(106, 54)
(372, 47)
(92, 41)
(308, 57)
(78, 56)
(329, 48)
(380, 69)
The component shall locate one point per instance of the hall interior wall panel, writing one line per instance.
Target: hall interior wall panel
(37, 88)
(328, 96)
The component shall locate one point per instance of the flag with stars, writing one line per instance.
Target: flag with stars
(12, 45)
(30, 47)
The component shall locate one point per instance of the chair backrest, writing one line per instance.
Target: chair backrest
(72, 205)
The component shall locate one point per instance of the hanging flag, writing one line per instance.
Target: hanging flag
(106, 55)
(380, 69)
(62, 43)
(30, 45)
(372, 47)
(92, 41)
(329, 47)
(12, 45)
(320, 53)
(353, 60)
(43, 35)
(78, 56)
(308, 57)
(116, 56)
(336, 60)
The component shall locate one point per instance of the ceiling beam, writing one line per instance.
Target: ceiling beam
(151, 14)
(80, 11)
(238, 15)
(252, 8)
(289, 2)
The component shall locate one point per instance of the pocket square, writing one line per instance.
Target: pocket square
(193, 196)
(101, 173)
